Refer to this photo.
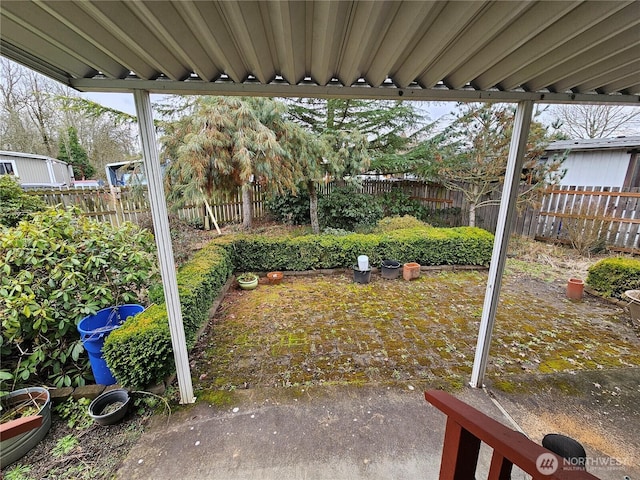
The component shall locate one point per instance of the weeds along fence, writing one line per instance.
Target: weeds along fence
(579, 216)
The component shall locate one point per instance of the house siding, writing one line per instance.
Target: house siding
(607, 168)
(38, 168)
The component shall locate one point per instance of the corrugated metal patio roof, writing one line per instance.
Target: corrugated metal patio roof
(550, 51)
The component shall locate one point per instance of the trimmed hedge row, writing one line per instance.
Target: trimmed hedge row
(139, 353)
(425, 245)
(610, 277)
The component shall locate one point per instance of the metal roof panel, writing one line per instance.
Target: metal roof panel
(569, 51)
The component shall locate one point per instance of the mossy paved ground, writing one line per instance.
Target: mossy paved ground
(558, 366)
(325, 329)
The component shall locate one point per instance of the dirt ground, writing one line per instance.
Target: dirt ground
(96, 455)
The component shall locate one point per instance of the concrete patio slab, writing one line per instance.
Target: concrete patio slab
(326, 433)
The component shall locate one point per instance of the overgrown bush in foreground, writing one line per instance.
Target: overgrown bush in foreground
(140, 353)
(54, 270)
(612, 276)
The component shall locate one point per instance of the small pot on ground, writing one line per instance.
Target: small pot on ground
(275, 277)
(109, 407)
(411, 271)
(390, 269)
(247, 281)
(361, 276)
(575, 289)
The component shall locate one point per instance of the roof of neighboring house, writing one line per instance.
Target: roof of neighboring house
(7, 153)
(595, 144)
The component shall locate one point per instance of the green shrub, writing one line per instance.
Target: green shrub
(348, 209)
(425, 245)
(56, 269)
(396, 203)
(15, 203)
(140, 353)
(290, 209)
(610, 277)
(388, 224)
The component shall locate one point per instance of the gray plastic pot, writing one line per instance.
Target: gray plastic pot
(101, 402)
(634, 304)
(390, 269)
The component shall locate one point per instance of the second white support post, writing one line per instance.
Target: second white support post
(517, 150)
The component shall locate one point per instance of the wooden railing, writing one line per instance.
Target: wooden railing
(467, 428)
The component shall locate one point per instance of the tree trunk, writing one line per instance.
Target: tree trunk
(313, 206)
(472, 214)
(246, 206)
(473, 201)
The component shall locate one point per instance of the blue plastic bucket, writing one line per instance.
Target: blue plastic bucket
(95, 328)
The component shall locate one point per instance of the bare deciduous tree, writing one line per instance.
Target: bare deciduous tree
(597, 121)
(35, 111)
(470, 157)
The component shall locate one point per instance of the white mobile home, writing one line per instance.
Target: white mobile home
(605, 162)
(36, 170)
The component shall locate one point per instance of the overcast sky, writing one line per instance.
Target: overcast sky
(124, 103)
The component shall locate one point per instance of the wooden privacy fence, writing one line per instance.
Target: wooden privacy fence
(566, 214)
(581, 214)
(431, 195)
(119, 204)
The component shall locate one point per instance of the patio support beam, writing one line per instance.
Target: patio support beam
(151, 161)
(517, 150)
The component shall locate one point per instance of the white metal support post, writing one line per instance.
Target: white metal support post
(160, 217)
(517, 150)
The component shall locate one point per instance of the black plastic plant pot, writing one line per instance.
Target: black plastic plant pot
(110, 407)
(390, 269)
(361, 276)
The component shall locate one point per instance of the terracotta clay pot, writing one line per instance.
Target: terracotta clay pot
(274, 277)
(575, 289)
(411, 271)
